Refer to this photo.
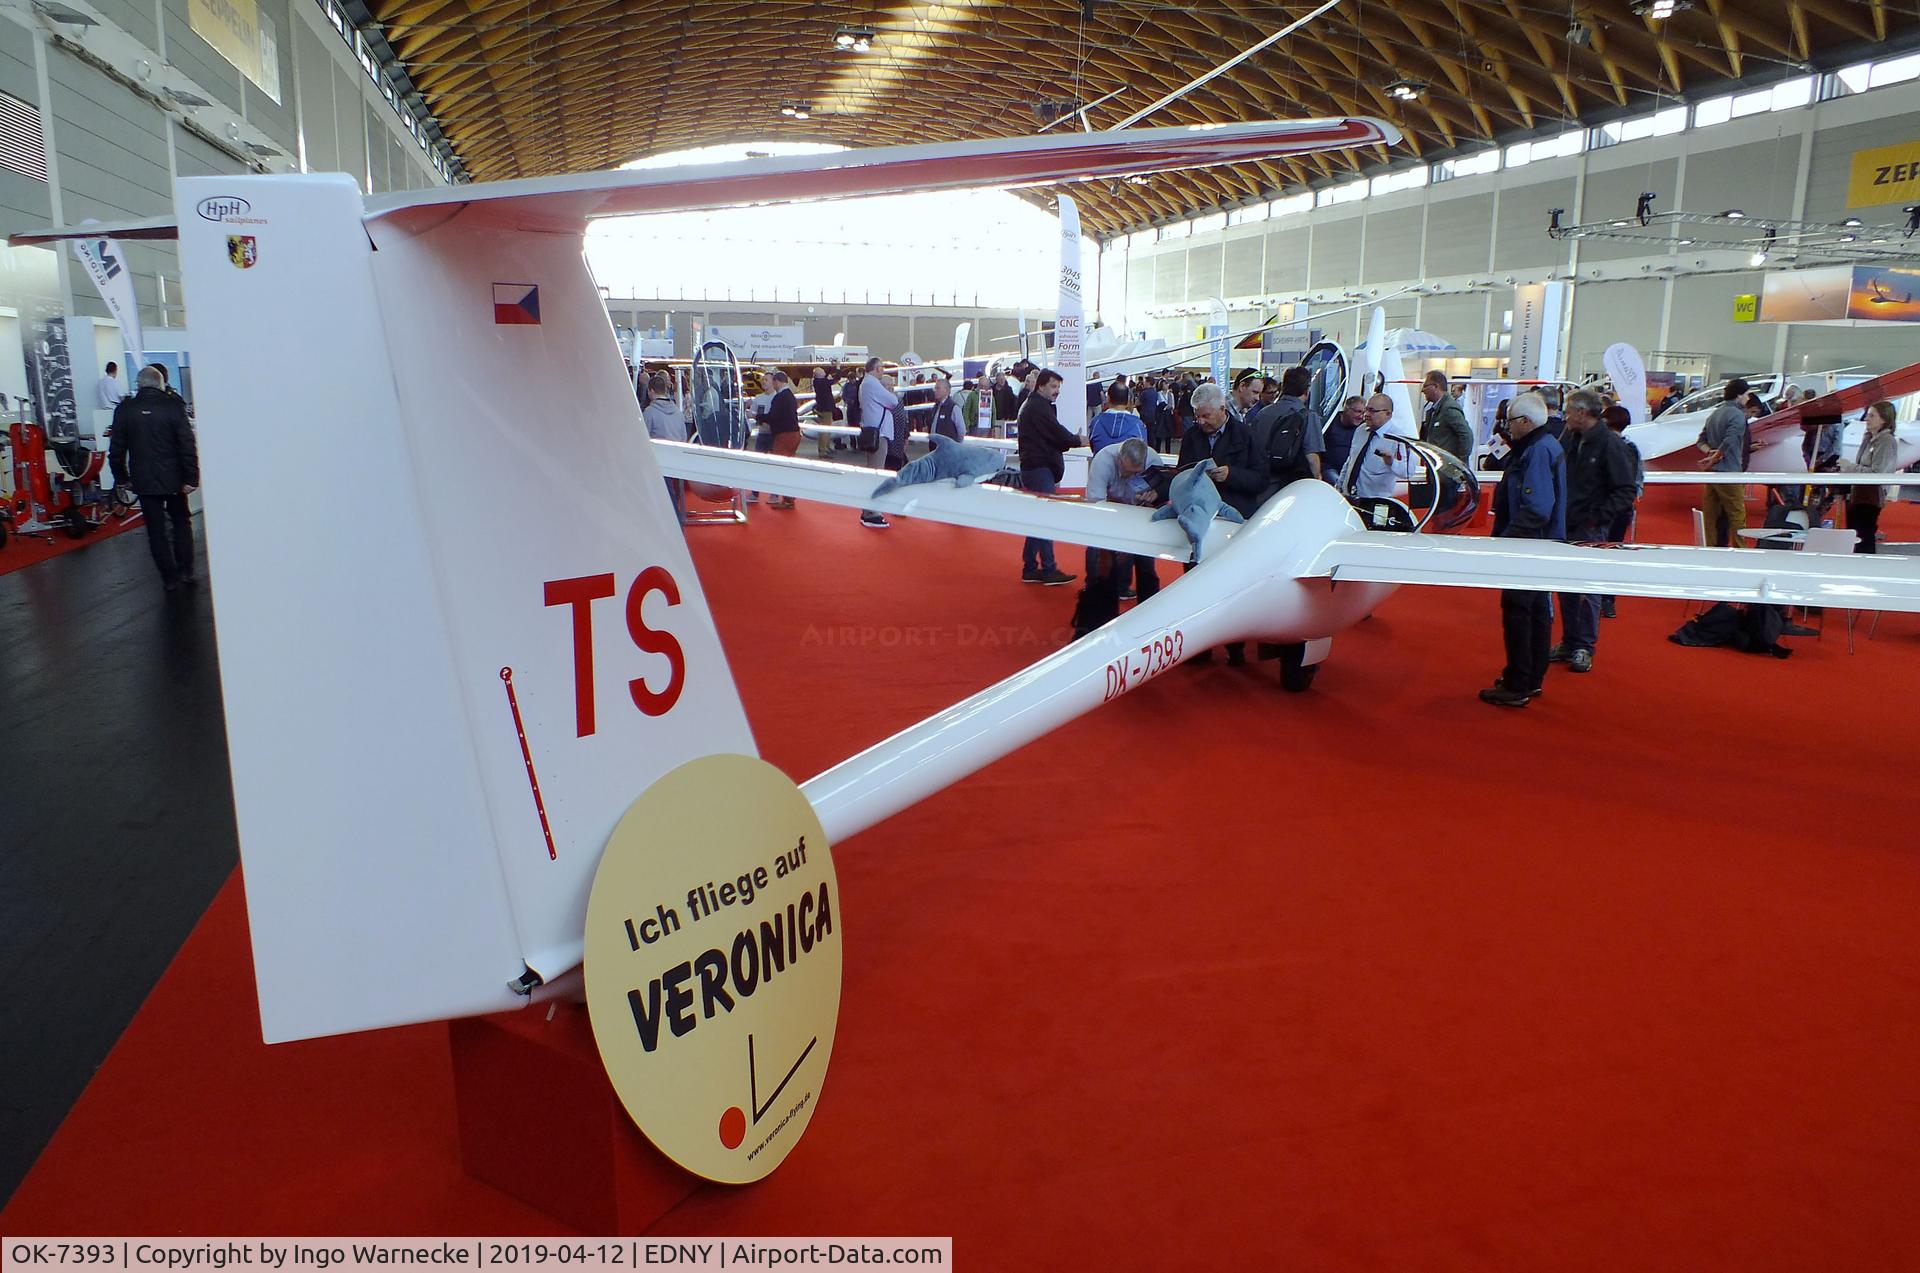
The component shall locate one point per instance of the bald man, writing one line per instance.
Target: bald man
(1371, 472)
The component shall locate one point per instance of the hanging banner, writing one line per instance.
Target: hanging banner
(1629, 373)
(1537, 310)
(106, 265)
(1860, 293)
(1219, 352)
(756, 344)
(1285, 346)
(1069, 329)
(232, 27)
(1885, 174)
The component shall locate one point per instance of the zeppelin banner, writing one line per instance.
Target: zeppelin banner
(1886, 174)
(232, 27)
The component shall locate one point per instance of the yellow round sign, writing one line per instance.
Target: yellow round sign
(713, 965)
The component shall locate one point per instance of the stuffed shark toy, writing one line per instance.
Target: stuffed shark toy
(1195, 501)
(949, 459)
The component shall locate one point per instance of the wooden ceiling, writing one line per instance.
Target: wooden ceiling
(532, 87)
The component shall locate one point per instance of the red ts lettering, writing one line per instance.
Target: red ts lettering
(580, 594)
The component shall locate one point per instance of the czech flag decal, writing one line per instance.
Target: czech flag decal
(516, 304)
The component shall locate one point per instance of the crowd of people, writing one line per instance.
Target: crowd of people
(1566, 470)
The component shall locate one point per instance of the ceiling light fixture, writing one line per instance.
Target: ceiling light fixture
(1406, 90)
(1660, 10)
(795, 110)
(65, 15)
(853, 39)
(1733, 214)
(1852, 223)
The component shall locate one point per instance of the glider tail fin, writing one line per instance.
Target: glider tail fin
(435, 715)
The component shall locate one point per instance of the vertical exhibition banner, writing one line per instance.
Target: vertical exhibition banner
(106, 265)
(1629, 373)
(1537, 311)
(1069, 354)
(1217, 333)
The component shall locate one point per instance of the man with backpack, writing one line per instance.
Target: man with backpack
(1285, 432)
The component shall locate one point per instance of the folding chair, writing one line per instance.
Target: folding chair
(1829, 539)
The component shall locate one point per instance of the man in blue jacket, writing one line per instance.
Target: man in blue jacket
(1530, 503)
(1115, 424)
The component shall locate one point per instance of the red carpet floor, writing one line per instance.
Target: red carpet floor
(1375, 977)
(21, 551)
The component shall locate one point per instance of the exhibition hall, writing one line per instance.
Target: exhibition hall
(1084, 634)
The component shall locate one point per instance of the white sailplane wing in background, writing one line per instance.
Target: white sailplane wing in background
(1849, 581)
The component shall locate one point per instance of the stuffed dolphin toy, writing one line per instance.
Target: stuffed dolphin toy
(949, 459)
(1195, 501)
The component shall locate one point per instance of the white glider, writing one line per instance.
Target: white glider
(438, 710)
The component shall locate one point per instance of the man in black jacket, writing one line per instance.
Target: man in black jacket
(151, 429)
(1240, 471)
(1600, 488)
(1286, 434)
(1006, 404)
(1044, 442)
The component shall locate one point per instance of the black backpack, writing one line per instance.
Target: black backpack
(1280, 434)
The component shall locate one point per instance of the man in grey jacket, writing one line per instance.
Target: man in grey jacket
(1724, 440)
(1445, 424)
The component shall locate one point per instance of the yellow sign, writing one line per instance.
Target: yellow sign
(232, 27)
(713, 965)
(1888, 174)
(1746, 307)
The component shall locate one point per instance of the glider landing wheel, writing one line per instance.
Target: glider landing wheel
(1296, 674)
(77, 525)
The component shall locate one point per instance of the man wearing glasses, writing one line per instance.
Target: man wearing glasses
(1371, 471)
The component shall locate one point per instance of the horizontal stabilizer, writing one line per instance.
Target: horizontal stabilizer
(1779, 578)
(149, 228)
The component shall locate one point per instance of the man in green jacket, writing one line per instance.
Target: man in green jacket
(1445, 424)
